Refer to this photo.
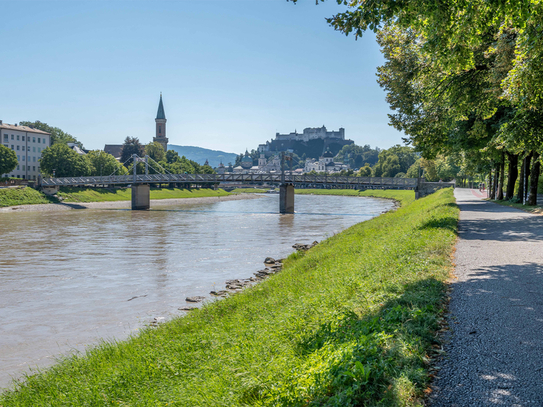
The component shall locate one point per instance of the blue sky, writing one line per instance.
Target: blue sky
(232, 72)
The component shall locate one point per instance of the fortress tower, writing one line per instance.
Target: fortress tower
(161, 126)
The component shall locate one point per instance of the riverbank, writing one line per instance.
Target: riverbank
(13, 196)
(50, 207)
(30, 200)
(351, 321)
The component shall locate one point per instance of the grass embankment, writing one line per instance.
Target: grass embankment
(249, 191)
(399, 195)
(23, 196)
(350, 322)
(125, 194)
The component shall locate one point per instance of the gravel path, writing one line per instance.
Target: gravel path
(495, 344)
(68, 206)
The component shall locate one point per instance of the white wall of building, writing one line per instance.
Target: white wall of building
(28, 145)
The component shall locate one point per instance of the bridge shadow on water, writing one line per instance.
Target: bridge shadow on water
(494, 345)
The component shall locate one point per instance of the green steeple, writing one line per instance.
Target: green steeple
(160, 114)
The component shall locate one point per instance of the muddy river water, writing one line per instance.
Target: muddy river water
(70, 278)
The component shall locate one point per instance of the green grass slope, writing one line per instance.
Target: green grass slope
(349, 323)
(22, 196)
(102, 194)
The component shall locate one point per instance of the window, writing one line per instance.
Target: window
(44, 140)
(33, 139)
(33, 149)
(23, 148)
(18, 148)
(17, 136)
(18, 158)
(24, 156)
(12, 147)
(39, 150)
(23, 174)
(39, 140)
(24, 169)
(23, 138)
(6, 137)
(17, 166)
(33, 168)
(34, 158)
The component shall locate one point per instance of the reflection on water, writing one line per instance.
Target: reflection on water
(70, 278)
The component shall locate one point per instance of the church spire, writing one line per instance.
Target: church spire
(160, 113)
(160, 136)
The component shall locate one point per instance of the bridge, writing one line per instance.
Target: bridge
(287, 182)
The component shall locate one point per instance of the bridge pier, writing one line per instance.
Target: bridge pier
(286, 198)
(141, 197)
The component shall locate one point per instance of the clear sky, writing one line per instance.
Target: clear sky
(232, 72)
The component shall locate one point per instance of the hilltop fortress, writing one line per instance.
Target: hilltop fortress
(312, 133)
(313, 142)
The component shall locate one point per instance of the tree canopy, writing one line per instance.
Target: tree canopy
(57, 135)
(8, 160)
(61, 160)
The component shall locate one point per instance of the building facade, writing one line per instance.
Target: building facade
(160, 134)
(28, 144)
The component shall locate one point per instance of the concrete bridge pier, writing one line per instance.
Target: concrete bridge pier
(286, 198)
(141, 197)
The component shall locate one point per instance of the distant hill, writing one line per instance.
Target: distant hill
(200, 155)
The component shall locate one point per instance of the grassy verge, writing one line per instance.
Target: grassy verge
(102, 194)
(249, 191)
(403, 197)
(526, 208)
(350, 322)
(23, 196)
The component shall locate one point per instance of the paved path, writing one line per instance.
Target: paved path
(495, 346)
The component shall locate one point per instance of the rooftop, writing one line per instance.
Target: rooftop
(21, 128)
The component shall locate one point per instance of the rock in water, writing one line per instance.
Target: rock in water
(269, 260)
(195, 299)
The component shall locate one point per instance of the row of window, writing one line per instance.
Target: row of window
(27, 158)
(27, 149)
(40, 139)
(25, 168)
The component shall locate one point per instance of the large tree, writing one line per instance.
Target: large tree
(62, 161)
(103, 164)
(8, 160)
(131, 146)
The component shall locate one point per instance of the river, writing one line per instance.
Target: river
(69, 278)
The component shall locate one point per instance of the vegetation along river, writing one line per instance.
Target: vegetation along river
(69, 278)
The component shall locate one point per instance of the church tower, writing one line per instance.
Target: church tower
(161, 126)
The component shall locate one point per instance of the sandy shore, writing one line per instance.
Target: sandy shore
(68, 206)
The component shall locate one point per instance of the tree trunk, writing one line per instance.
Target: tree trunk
(502, 176)
(534, 180)
(495, 183)
(512, 175)
(527, 171)
(520, 193)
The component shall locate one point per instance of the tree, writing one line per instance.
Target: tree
(103, 164)
(57, 135)
(131, 146)
(8, 160)
(155, 151)
(61, 160)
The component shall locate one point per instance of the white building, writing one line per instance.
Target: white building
(324, 164)
(28, 144)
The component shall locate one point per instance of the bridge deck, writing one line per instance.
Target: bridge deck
(270, 179)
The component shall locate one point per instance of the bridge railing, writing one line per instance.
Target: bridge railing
(267, 178)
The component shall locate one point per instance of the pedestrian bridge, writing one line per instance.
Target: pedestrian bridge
(287, 182)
